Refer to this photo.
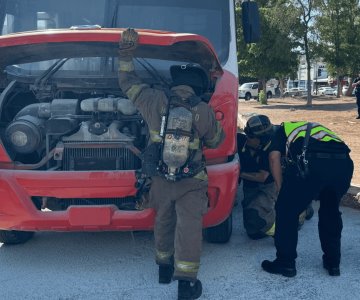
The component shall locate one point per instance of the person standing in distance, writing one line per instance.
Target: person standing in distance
(318, 167)
(177, 193)
(356, 86)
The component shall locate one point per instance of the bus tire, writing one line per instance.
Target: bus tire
(13, 237)
(221, 233)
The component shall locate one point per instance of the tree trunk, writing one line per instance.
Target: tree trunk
(282, 87)
(339, 85)
(309, 95)
(263, 83)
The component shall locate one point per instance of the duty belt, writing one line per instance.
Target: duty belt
(327, 155)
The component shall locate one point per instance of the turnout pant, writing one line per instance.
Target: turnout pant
(328, 181)
(179, 209)
(259, 208)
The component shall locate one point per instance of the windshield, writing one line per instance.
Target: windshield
(209, 18)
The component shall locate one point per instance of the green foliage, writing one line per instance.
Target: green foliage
(326, 29)
(338, 28)
(274, 54)
(262, 98)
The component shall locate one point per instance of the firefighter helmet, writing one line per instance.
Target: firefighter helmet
(259, 126)
(190, 74)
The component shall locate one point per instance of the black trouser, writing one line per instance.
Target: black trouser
(328, 181)
(358, 102)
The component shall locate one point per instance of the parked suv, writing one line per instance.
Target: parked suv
(251, 90)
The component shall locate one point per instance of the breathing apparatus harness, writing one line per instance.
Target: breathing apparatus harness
(174, 142)
(301, 161)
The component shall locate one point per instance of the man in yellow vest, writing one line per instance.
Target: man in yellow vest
(318, 167)
(258, 184)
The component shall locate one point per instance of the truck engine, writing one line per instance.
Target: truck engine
(104, 133)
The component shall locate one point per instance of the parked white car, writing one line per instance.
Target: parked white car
(251, 90)
(294, 92)
(344, 89)
(326, 90)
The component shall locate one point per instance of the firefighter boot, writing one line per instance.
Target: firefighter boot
(188, 290)
(286, 269)
(333, 269)
(165, 273)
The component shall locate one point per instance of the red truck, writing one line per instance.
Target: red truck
(70, 148)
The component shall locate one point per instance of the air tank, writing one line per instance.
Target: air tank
(176, 143)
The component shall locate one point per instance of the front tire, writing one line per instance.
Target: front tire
(247, 96)
(269, 95)
(221, 233)
(13, 237)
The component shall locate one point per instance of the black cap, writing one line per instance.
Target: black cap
(259, 126)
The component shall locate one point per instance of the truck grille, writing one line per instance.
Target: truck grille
(57, 204)
(92, 156)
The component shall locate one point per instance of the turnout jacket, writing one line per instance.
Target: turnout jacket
(152, 105)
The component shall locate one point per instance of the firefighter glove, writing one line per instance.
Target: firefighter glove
(128, 41)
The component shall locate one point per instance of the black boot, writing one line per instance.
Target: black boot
(165, 273)
(278, 267)
(309, 212)
(188, 290)
(333, 269)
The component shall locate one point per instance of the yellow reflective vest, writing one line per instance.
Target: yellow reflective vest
(294, 130)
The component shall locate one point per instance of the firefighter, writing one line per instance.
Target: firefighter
(178, 193)
(318, 167)
(258, 184)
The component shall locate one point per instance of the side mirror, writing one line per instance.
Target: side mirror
(251, 21)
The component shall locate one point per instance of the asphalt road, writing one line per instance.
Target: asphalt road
(120, 265)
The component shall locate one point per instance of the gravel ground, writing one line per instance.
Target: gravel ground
(120, 265)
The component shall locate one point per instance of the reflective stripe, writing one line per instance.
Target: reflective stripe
(155, 136)
(294, 130)
(214, 142)
(271, 231)
(201, 175)
(294, 133)
(164, 256)
(126, 66)
(325, 136)
(195, 144)
(135, 90)
(186, 266)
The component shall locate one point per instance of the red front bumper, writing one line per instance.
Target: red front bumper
(17, 211)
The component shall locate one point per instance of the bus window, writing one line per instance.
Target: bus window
(8, 26)
(46, 21)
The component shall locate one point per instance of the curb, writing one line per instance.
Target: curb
(354, 189)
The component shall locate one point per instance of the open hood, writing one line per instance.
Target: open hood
(56, 44)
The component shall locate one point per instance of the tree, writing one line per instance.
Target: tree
(339, 26)
(274, 54)
(306, 11)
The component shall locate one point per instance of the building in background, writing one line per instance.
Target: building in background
(318, 74)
